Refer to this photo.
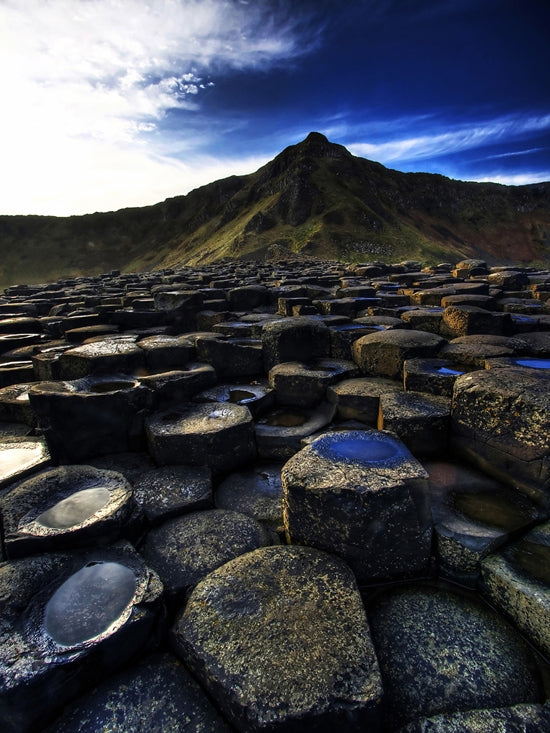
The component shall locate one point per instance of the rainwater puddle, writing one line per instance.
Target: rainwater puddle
(114, 386)
(446, 370)
(492, 510)
(285, 419)
(75, 509)
(240, 395)
(361, 449)
(534, 363)
(16, 459)
(89, 602)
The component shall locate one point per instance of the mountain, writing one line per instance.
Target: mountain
(314, 198)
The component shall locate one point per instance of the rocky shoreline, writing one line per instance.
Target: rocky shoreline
(286, 495)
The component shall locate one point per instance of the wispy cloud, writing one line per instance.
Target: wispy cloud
(86, 87)
(455, 139)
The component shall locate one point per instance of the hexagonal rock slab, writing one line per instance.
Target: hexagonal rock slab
(305, 385)
(514, 719)
(359, 399)
(66, 507)
(517, 582)
(294, 339)
(159, 695)
(219, 435)
(443, 653)
(363, 496)
(66, 620)
(185, 549)
(382, 353)
(256, 631)
(501, 422)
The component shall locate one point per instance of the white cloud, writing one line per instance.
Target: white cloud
(459, 138)
(86, 85)
(517, 179)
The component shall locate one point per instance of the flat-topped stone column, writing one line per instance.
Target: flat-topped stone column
(361, 495)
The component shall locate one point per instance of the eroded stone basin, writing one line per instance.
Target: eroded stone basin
(74, 509)
(89, 603)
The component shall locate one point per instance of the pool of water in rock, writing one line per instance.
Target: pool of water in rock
(285, 419)
(447, 370)
(89, 602)
(491, 509)
(240, 395)
(112, 386)
(75, 509)
(361, 449)
(534, 363)
(533, 558)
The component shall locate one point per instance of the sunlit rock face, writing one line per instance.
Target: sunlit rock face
(256, 631)
(363, 496)
(66, 507)
(501, 422)
(66, 621)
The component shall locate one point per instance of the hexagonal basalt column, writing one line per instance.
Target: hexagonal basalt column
(501, 422)
(105, 356)
(383, 353)
(360, 495)
(92, 416)
(280, 639)
(66, 507)
(214, 434)
(66, 621)
(294, 339)
(305, 385)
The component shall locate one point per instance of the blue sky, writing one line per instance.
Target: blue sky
(115, 103)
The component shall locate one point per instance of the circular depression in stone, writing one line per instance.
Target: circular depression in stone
(239, 396)
(285, 418)
(359, 448)
(89, 602)
(533, 363)
(448, 371)
(111, 385)
(75, 509)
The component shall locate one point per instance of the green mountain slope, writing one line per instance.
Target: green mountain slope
(314, 198)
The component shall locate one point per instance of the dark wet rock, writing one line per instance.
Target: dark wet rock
(179, 385)
(15, 405)
(342, 337)
(294, 339)
(130, 465)
(305, 385)
(158, 695)
(254, 632)
(185, 549)
(10, 341)
(21, 456)
(279, 432)
(473, 515)
(164, 352)
(248, 297)
(473, 350)
(515, 719)
(424, 319)
(500, 422)
(359, 399)
(360, 495)
(421, 421)
(231, 358)
(433, 376)
(219, 435)
(66, 621)
(90, 416)
(14, 372)
(516, 581)
(65, 508)
(104, 356)
(440, 652)
(20, 324)
(257, 492)
(256, 395)
(382, 354)
(167, 492)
